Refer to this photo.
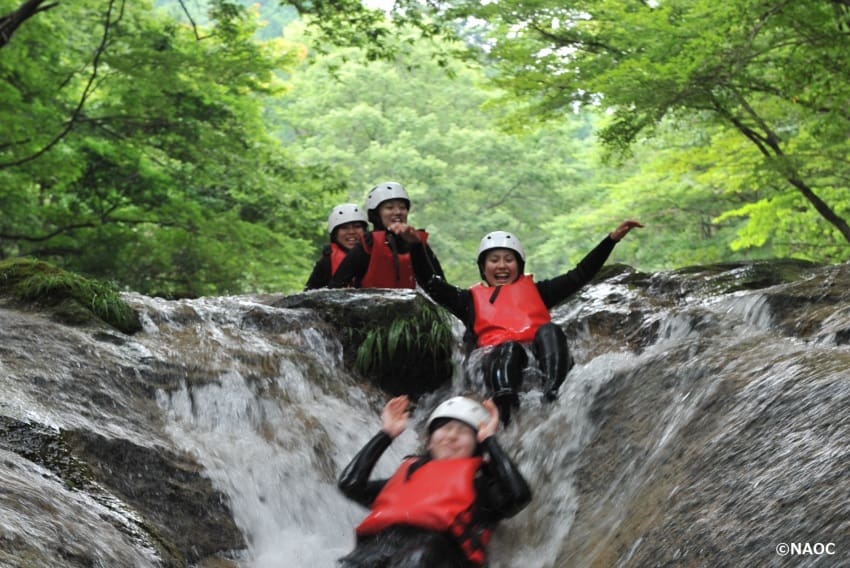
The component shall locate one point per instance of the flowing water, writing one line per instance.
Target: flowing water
(273, 417)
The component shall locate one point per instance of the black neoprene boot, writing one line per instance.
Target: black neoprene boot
(555, 360)
(504, 377)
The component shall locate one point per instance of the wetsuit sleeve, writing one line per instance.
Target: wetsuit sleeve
(352, 269)
(503, 492)
(321, 274)
(561, 287)
(354, 480)
(436, 269)
(457, 300)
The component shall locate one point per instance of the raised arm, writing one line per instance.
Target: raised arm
(561, 287)
(354, 481)
(505, 491)
(457, 300)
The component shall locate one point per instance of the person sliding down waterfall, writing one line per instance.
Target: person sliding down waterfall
(439, 509)
(509, 310)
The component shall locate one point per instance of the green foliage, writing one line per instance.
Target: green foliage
(767, 72)
(696, 95)
(764, 70)
(37, 282)
(167, 179)
(426, 330)
(410, 121)
(192, 150)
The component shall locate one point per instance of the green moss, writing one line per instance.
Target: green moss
(39, 283)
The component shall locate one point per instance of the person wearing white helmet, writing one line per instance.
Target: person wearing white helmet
(346, 225)
(509, 311)
(438, 509)
(382, 258)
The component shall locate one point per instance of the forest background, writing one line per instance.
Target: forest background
(186, 147)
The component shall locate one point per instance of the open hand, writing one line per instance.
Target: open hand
(487, 429)
(624, 229)
(395, 415)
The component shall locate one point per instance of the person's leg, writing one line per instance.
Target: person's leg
(553, 356)
(372, 551)
(428, 550)
(503, 371)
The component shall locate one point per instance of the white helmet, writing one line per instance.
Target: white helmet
(345, 213)
(384, 192)
(500, 239)
(460, 408)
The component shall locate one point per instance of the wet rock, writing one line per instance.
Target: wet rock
(397, 339)
(181, 507)
(725, 445)
(174, 507)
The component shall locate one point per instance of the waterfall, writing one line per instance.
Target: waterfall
(693, 425)
(281, 418)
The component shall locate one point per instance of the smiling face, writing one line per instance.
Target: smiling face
(393, 211)
(500, 267)
(348, 234)
(452, 440)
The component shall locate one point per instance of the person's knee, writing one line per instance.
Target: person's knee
(504, 368)
(549, 335)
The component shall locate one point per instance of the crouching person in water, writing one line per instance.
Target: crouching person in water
(438, 510)
(510, 309)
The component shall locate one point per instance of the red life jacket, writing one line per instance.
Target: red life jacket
(438, 496)
(381, 272)
(337, 254)
(515, 315)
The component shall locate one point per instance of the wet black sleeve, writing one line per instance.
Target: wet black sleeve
(561, 287)
(503, 491)
(321, 274)
(352, 269)
(354, 480)
(457, 300)
(436, 269)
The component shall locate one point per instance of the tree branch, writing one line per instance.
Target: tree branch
(11, 22)
(191, 21)
(87, 225)
(768, 145)
(69, 125)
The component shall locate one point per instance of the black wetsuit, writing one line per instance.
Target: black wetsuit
(503, 366)
(321, 275)
(500, 489)
(353, 268)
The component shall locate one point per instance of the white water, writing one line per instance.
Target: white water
(275, 444)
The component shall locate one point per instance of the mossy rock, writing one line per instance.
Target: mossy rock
(398, 340)
(69, 297)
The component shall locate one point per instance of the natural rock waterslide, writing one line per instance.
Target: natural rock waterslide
(706, 423)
